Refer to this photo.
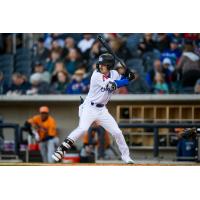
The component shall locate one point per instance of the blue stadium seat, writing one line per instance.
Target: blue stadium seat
(24, 67)
(6, 59)
(136, 64)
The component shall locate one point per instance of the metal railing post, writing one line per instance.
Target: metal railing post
(156, 143)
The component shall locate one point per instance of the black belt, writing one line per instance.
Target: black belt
(99, 105)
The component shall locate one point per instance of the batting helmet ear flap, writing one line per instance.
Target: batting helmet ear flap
(97, 66)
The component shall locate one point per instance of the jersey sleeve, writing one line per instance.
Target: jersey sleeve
(117, 76)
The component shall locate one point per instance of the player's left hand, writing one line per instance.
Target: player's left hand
(129, 74)
(111, 86)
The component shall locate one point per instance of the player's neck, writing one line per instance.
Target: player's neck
(106, 74)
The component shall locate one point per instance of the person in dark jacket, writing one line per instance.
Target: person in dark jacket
(19, 84)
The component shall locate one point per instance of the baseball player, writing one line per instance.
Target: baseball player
(103, 83)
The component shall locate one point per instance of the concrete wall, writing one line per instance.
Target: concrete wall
(64, 108)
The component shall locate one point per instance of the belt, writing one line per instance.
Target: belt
(98, 105)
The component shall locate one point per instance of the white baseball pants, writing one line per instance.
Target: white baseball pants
(90, 113)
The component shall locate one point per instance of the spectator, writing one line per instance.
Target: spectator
(78, 85)
(69, 44)
(19, 84)
(60, 85)
(147, 44)
(55, 56)
(3, 84)
(157, 67)
(39, 68)
(162, 42)
(138, 85)
(59, 67)
(41, 53)
(56, 47)
(86, 43)
(167, 72)
(38, 86)
(43, 127)
(197, 87)
(160, 86)
(72, 61)
(167, 64)
(173, 53)
(189, 66)
(95, 50)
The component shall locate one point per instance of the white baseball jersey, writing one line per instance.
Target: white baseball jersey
(89, 113)
(98, 92)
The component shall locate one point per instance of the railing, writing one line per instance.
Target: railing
(156, 127)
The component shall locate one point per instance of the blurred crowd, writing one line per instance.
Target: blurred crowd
(63, 63)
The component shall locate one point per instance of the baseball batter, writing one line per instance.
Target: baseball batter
(103, 83)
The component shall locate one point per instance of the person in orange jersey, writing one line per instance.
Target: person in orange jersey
(44, 129)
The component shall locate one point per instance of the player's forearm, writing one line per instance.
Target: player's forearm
(122, 82)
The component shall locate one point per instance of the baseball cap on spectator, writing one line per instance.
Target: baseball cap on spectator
(79, 72)
(44, 109)
(167, 61)
(35, 78)
(174, 40)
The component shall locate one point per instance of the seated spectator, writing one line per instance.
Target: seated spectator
(3, 84)
(39, 68)
(189, 66)
(167, 64)
(95, 50)
(160, 86)
(38, 86)
(173, 53)
(41, 53)
(55, 56)
(78, 85)
(43, 128)
(157, 67)
(162, 42)
(147, 44)
(197, 87)
(55, 46)
(60, 85)
(69, 44)
(86, 43)
(72, 62)
(167, 72)
(19, 84)
(59, 67)
(138, 85)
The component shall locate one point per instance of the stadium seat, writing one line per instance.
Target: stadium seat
(23, 67)
(136, 64)
(6, 59)
(23, 51)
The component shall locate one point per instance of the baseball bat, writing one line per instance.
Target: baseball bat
(108, 48)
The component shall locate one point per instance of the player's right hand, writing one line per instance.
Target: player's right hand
(129, 74)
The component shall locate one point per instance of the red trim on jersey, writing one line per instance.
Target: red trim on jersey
(106, 77)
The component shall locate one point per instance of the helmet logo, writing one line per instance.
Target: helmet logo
(100, 59)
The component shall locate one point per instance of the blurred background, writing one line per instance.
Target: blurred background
(43, 75)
